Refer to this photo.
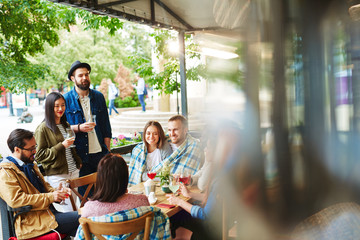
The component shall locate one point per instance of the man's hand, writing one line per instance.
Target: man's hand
(60, 195)
(87, 127)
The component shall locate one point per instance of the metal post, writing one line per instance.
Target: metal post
(177, 96)
(184, 110)
(26, 101)
(11, 105)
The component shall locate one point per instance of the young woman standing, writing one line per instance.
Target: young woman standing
(54, 146)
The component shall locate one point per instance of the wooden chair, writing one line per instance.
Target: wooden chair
(88, 180)
(133, 226)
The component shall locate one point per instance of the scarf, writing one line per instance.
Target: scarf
(27, 168)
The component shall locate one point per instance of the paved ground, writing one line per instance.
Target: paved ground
(7, 124)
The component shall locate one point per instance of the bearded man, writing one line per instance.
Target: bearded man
(85, 108)
(22, 184)
(187, 154)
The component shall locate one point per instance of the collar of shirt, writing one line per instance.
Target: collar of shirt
(18, 160)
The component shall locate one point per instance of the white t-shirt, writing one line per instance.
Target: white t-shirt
(152, 159)
(94, 145)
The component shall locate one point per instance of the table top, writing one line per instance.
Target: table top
(161, 197)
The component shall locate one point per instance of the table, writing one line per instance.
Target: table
(161, 197)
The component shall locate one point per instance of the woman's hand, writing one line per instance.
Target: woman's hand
(185, 191)
(68, 142)
(173, 200)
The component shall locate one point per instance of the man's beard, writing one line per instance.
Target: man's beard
(27, 159)
(84, 86)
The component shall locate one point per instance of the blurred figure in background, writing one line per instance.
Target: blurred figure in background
(112, 95)
(140, 90)
(26, 116)
(198, 218)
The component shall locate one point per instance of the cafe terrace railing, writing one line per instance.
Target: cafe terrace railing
(123, 145)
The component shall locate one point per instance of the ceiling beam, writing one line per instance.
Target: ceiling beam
(152, 9)
(93, 6)
(109, 4)
(166, 8)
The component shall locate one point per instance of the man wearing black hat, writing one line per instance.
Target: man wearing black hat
(87, 114)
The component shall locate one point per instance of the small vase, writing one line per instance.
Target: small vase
(165, 189)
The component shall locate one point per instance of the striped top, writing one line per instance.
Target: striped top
(69, 157)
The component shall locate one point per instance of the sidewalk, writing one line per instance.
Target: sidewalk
(8, 124)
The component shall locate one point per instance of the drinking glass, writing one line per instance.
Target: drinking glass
(151, 174)
(62, 185)
(185, 177)
(70, 134)
(174, 183)
(92, 118)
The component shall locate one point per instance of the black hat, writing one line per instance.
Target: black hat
(76, 65)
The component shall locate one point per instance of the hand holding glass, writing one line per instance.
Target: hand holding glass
(92, 119)
(62, 187)
(185, 177)
(70, 135)
(174, 183)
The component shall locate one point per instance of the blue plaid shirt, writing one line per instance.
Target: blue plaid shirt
(137, 164)
(159, 229)
(188, 157)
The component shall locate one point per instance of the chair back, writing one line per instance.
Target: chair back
(12, 214)
(133, 226)
(88, 180)
(6, 224)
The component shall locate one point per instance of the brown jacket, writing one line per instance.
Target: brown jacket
(17, 191)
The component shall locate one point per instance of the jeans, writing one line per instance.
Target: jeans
(197, 226)
(112, 106)
(90, 167)
(67, 222)
(141, 99)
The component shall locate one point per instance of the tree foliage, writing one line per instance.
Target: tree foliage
(166, 80)
(25, 27)
(104, 53)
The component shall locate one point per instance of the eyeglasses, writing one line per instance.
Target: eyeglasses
(30, 149)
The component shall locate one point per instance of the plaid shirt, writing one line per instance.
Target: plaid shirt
(159, 229)
(188, 157)
(137, 164)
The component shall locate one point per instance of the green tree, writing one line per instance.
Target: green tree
(25, 26)
(166, 81)
(102, 51)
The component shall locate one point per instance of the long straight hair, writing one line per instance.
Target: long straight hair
(112, 178)
(49, 110)
(161, 133)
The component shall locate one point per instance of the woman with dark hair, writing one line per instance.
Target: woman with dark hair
(110, 193)
(148, 154)
(58, 159)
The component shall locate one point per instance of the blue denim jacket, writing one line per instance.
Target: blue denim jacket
(75, 115)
